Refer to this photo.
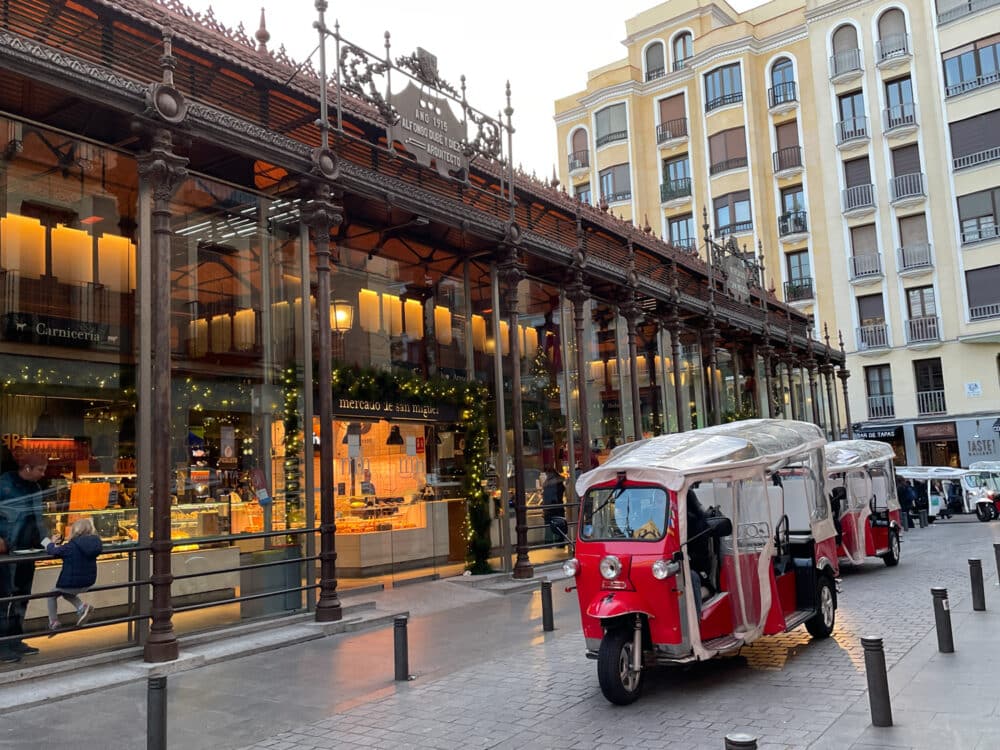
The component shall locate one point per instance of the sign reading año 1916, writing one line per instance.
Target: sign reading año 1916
(429, 130)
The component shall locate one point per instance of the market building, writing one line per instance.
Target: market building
(279, 326)
(857, 142)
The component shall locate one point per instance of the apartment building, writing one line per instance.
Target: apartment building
(858, 144)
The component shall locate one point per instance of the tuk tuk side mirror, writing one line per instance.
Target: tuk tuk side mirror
(677, 557)
(721, 526)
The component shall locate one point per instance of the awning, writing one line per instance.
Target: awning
(889, 432)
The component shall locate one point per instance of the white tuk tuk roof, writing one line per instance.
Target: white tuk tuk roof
(930, 472)
(842, 455)
(984, 466)
(668, 459)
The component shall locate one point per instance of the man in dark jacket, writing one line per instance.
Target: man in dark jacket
(699, 546)
(552, 504)
(907, 499)
(21, 528)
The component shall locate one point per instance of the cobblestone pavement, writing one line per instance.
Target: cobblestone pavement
(785, 690)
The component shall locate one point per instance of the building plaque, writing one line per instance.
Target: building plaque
(429, 130)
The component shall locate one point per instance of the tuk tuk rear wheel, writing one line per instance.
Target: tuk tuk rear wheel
(821, 624)
(619, 683)
(984, 512)
(891, 558)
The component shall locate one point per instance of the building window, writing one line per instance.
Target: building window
(582, 192)
(611, 124)
(655, 67)
(983, 287)
(673, 119)
(683, 49)
(792, 219)
(878, 384)
(900, 110)
(907, 179)
(893, 41)
(789, 153)
(977, 215)
(682, 232)
(914, 250)
(874, 333)
(676, 178)
(723, 86)
(859, 192)
(727, 150)
(920, 301)
(616, 184)
(853, 122)
(865, 260)
(782, 83)
(930, 386)
(579, 157)
(846, 54)
(798, 267)
(972, 66)
(976, 140)
(732, 213)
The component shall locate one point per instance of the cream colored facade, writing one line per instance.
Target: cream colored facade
(866, 81)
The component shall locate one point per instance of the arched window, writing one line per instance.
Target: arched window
(655, 67)
(782, 82)
(846, 54)
(579, 157)
(892, 36)
(683, 49)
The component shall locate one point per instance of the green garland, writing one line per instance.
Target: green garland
(472, 401)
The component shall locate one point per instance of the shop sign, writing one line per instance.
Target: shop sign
(996, 426)
(938, 431)
(29, 328)
(973, 389)
(879, 432)
(429, 130)
(980, 447)
(227, 447)
(400, 410)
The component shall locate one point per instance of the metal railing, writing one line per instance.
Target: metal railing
(735, 228)
(783, 93)
(892, 45)
(922, 329)
(974, 160)
(914, 256)
(686, 243)
(579, 160)
(667, 131)
(859, 196)
(972, 84)
(722, 101)
(724, 166)
(985, 229)
(852, 129)
(789, 157)
(845, 61)
(902, 115)
(622, 195)
(799, 289)
(653, 73)
(907, 186)
(792, 222)
(881, 407)
(873, 336)
(618, 135)
(930, 402)
(674, 189)
(985, 312)
(866, 265)
(961, 10)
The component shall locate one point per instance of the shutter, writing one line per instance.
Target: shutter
(717, 148)
(905, 160)
(891, 22)
(856, 172)
(976, 134)
(787, 134)
(672, 108)
(975, 205)
(983, 286)
(736, 144)
(913, 230)
(870, 309)
(654, 57)
(864, 240)
(845, 38)
(621, 178)
(580, 140)
(618, 121)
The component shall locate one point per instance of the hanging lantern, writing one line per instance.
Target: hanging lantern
(341, 316)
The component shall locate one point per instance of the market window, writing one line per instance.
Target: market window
(655, 66)
(727, 150)
(611, 124)
(723, 86)
(616, 184)
(972, 66)
(732, 213)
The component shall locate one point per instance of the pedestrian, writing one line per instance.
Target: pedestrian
(906, 496)
(552, 503)
(79, 570)
(699, 547)
(21, 529)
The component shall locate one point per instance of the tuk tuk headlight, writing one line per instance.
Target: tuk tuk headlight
(571, 567)
(611, 566)
(664, 569)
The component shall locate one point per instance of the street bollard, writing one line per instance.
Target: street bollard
(740, 741)
(942, 621)
(978, 594)
(878, 682)
(924, 519)
(156, 713)
(996, 554)
(402, 655)
(547, 624)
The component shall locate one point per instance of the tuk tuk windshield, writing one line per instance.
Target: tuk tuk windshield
(987, 480)
(624, 513)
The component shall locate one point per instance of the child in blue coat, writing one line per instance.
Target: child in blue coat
(79, 570)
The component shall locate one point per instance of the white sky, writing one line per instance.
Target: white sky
(532, 43)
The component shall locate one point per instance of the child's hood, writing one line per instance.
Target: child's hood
(90, 544)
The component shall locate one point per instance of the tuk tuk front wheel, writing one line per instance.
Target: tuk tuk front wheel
(821, 624)
(619, 682)
(984, 512)
(891, 558)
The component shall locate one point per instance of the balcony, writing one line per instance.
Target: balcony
(619, 197)
(930, 402)
(688, 244)
(859, 200)
(792, 226)
(892, 50)
(675, 190)
(907, 189)
(653, 73)
(782, 98)
(737, 227)
(980, 229)
(724, 166)
(974, 160)
(984, 312)
(873, 336)
(852, 132)
(922, 330)
(680, 64)
(579, 161)
(881, 407)
(618, 135)
(914, 258)
(963, 87)
(734, 97)
(845, 65)
(899, 119)
(799, 290)
(787, 161)
(671, 130)
(866, 268)
(961, 10)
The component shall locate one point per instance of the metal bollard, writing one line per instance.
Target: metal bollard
(878, 682)
(402, 654)
(156, 713)
(996, 554)
(942, 621)
(978, 594)
(740, 741)
(924, 519)
(547, 624)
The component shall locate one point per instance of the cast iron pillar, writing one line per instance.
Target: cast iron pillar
(675, 355)
(320, 215)
(511, 271)
(712, 341)
(843, 373)
(831, 396)
(630, 311)
(793, 405)
(578, 293)
(765, 352)
(162, 171)
(813, 389)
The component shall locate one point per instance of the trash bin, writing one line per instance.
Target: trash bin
(272, 578)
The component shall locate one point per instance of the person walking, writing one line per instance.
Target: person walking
(79, 570)
(21, 529)
(552, 504)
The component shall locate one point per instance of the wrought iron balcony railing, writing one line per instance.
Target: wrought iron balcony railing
(733, 97)
(863, 266)
(799, 289)
(792, 222)
(783, 93)
(930, 402)
(881, 407)
(618, 135)
(667, 131)
(653, 73)
(912, 257)
(789, 157)
(961, 10)
(908, 186)
(985, 312)
(674, 189)
(979, 230)
(873, 336)
(892, 45)
(844, 62)
(972, 84)
(920, 330)
(579, 160)
(897, 116)
(852, 129)
(724, 166)
(974, 160)
(859, 196)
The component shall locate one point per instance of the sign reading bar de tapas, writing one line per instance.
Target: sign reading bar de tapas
(394, 410)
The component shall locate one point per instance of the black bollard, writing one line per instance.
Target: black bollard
(924, 519)
(547, 624)
(942, 621)
(156, 713)
(996, 554)
(740, 741)
(878, 682)
(978, 594)
(402, 654)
